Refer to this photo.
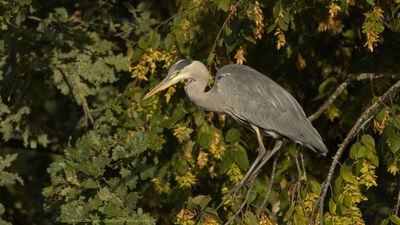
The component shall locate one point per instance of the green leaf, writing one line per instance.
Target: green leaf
(224, 5)
(250, 218)
(393, 143)
(326, 88)
(395, 219)
(368, 141)
(354, 150)
(169, 42)
(227, 161)
(201, 200)
(332, 207)
(374, 159)
(371, 2)
(289, 213)
(148, 172)
(347, 175)
(362, 152)
(210, 58)
(240, 157)
(347, 201)
(283, 25)
(232, 135)
(228, 31)
(315, 186)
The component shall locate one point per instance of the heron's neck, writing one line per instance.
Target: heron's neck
(196, 86)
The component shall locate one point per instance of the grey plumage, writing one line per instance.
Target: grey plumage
(248, 96)
(264, 103)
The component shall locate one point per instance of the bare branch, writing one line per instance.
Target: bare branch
(351, 78)
(365, 117)
(398, 204)
(243, 204)
(271, 182)
(74, 88)
(231, 13)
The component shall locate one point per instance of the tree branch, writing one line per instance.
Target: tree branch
(231, 13)
(271, 182)
(398, 204)
(74, 88)
(351, 78)
(366, 116)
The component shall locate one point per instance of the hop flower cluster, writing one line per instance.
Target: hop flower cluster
(372, 27)
(258, 19)
(379, 125)
(333, 24)
(281, 38)
(309, 201)
(217, 148)
(240, 56)
(368, 176)
(147, 63)
(187, 180)
(234, 173)
(161, 187)
(202, 159)
(185, 217)
(182, 132)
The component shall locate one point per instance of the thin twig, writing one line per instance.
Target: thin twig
(365, 117)
(342, 87)
(243, 204)
(303, 166)
(74, 88)
(271, 182)
(398, 204)
(233, 10)
(176, 15)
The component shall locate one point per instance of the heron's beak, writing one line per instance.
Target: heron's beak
(168, 81)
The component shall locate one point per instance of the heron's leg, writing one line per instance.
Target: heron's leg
(268, 155)
(260, 156)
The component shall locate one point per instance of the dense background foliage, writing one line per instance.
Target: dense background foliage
(79, 144)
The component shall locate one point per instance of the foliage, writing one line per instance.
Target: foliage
(7, 178)
(72, 80)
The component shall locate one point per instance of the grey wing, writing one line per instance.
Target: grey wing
(253, 97)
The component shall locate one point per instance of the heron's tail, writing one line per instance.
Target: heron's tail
(313, 139)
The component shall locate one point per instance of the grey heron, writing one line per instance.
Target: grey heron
(252, 99)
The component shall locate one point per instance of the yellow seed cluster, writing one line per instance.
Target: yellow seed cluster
(185, 217)
(309, 201)
(355, 193)
(379, 125)
(202, 159)
(368, 176)
(375, 16)
(332, 113)
(333, 24)
(240, 56)
(209, 221)
(352, 217)
(301, 62)
(281, 38)
(147, 63)
(211, 170)
(217, 148)
(161, 187)
(264, 220)
(394, 167)
(258, 19)
(187, 180)
(171, 91)
(234, 173)
(182, 132)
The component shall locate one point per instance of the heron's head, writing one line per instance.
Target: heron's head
(179, 71)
